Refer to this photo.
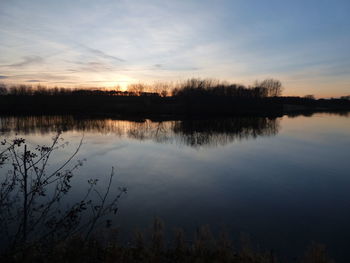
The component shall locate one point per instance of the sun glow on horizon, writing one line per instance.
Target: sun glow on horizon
(300, 44)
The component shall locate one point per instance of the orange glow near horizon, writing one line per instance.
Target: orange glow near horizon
(289, 89)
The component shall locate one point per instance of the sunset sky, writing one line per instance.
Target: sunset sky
(303, 43)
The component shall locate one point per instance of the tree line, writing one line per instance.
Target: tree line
(188, 88)
(209, 87)
(192, 97)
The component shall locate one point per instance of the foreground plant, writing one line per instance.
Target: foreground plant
(152, 246)
(32, 196)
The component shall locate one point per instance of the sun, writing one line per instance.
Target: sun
(120, 84)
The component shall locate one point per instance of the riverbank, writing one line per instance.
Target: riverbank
(147, 106)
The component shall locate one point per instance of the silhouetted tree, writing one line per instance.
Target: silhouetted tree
(3, 89)
(273, 87)
(309, 97)
(137, 89)
(31, 196)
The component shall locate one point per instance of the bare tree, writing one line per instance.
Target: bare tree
(161, 88)
(3, 90)
(31, 196)
(272, 86)
(309, 97)
(137, 89)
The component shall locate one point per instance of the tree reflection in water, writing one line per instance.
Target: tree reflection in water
(194, 133)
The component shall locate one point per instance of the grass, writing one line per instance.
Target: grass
(203, 248)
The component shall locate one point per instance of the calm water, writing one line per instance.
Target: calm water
(285, 181)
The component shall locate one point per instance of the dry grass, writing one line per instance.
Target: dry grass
(204, 248)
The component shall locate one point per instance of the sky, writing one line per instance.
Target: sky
(303, 43)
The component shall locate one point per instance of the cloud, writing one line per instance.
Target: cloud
(106, 81)
(3, 77)
(102, 54)
(173, 68)
(65, 82)
(34, 80)
(27, 60)
(42, 77)
(150, 40)
(95, 67)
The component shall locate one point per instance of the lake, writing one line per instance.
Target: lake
(285, 181)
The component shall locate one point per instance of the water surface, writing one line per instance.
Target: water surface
(285, 181)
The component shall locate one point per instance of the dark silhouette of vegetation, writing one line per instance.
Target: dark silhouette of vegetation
(32, 197)
(152, 246)
(310, 97)
(345, 97)
(270, 87)
(194, 97)
(214, 88)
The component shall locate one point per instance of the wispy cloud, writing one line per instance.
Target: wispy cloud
(26, 61)
(93, 66)
(153, 40)
(41, 77)
(34, 80)
(166, 67)
(102, 54)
